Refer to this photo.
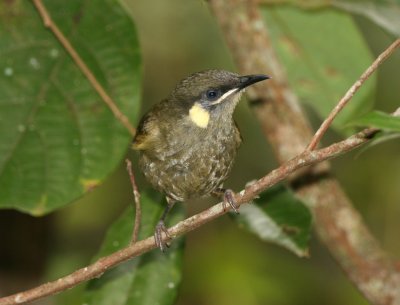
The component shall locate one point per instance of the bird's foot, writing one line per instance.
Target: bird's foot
(158, 236)
(229, 198)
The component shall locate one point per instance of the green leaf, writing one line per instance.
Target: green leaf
(389, 124)
(57, 137)
(384, 13)
(278, 217)
(380, 120)
(324, 54)
(152, 278)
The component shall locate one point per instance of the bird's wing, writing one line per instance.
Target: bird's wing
(147, 132)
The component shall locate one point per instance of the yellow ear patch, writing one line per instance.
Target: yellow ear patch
(199, 115)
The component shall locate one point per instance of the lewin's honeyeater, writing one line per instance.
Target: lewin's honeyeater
(188, 142)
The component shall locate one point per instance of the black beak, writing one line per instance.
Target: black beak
(248, 80)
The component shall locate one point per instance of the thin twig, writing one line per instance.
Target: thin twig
(350, 93)
(48, 22)
(103, 264)
(136, 195)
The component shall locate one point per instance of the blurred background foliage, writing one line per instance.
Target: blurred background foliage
(222, 264)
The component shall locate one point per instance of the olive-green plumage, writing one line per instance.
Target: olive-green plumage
(188, 142)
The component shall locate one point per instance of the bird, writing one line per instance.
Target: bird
(188, 142)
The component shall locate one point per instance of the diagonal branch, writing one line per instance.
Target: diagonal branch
(338, 224)
(48, 22)
(103, 264)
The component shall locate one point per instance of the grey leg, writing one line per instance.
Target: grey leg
(227, 195)
(161, 228)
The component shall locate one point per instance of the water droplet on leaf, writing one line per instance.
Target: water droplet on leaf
(54, 53)
(171, 285)
(8, 71)
(34, 63)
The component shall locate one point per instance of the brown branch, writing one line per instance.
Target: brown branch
(103, 264)
(48, 22)
(136, 195)
(350, 93)
(338, 224)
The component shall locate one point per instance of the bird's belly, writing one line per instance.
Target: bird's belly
(189, 173)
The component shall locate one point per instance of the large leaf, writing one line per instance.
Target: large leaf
(152, 278)
(278, 217)
(57, 137)
(324, 54)
(385, 13)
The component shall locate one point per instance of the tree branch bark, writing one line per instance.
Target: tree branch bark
(338, 224)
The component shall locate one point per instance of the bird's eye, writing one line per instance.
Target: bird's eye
(212, 94)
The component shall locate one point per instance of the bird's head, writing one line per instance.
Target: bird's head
(211, 94)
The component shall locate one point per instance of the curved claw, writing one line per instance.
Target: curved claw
(158, 236)
(228, 198)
